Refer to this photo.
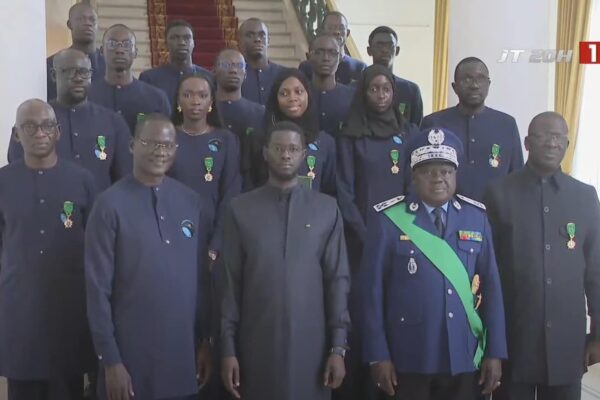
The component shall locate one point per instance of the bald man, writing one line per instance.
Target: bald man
(546, 229)
(119, 90)
(83, 24)
(253, 39)
(45, 346)
(93, 136)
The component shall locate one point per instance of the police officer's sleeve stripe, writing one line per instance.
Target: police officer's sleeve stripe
(471, 201)
(388, 203)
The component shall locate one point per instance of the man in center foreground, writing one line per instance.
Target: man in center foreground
(284, 315)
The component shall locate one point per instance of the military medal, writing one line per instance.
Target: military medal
(311, 161)
(208, 164)
(412, 266)
(395, 156)
(571, 232)
(495, 156)
(101, 150)
(67, 213)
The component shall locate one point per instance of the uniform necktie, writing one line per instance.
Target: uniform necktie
(439, 221)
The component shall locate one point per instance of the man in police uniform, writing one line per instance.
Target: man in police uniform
(180, 43)
(92, 136)
(83, 24)
(547, 235)
(430, 294)
(490, 138)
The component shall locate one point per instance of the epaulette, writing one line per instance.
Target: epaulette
(388, 203)
(471, 201)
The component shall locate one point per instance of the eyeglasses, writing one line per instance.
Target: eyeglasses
(469, 80)
(291, 149)
(154, 145)
(71, 73)
(231, 65)
(322, 52)
(47, 127)
(115, 44)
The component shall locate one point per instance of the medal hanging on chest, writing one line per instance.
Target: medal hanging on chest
(101, 151)
(395, 156)
(495, 156)
(208, 164)
(412, 266)
(571, 233)
(311, 161)
(68, 208)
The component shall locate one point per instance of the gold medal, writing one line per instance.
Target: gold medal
(208, 177)
(395, 169)
(571, 244)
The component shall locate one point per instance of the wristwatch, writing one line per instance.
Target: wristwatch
(338, 350)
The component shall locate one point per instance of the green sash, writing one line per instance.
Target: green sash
(445, 259)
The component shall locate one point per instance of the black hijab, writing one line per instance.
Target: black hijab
(309, 121)
(364, 122)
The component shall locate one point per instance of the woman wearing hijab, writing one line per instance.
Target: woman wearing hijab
(371, 163)
(291, 99)
(208, 155)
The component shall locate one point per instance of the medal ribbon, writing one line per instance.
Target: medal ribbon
(68, 208)
(311, 161)
(208, 163)
(571, 230)
(395, 156)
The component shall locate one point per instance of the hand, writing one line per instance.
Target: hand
(118, 383)
(384, 376)
(491, 372)
(335, 370)
(592, 353)
(230, 373)
(204, 362)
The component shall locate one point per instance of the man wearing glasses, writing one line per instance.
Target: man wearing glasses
(119, 90)
(146, 277)
(93, 136)
(83, 24)
(253, 38)
(240, 115)
(490, 138)
(334, 98)
(546, 228)
(383, 47)
(45, 344)
(180, 43)
(349, 69)
(284, 313)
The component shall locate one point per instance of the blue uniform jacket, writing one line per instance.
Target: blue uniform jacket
(190, 168)
(98, 71)
(334, 106)
(129, 101)
(417, 320)
(258, 82)
(348, 70)
(166, 77)
(365, 178)
(478, 134)
(147, 284)
(44, 333)
(80, 128)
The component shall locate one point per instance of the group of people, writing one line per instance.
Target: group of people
(268, 233)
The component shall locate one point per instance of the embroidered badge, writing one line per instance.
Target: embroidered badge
(471, 236)
(215, 145)
(404, 237)
(313, 146)
(397, 139)
(412, 266)
(187, 227)
(67, 213)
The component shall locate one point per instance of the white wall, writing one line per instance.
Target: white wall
(484, 28)
(413, 20)
(23, 61)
